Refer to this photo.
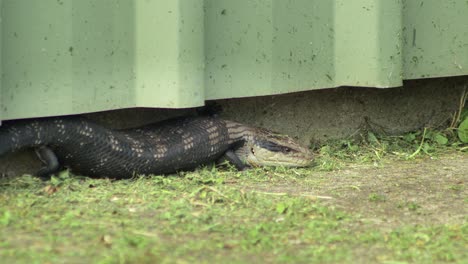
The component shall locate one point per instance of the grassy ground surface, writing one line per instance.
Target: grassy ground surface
(377, 200)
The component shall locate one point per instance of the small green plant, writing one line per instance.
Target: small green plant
(375, 197)
(460, 119)
(5, 218)
(463, 130)
(456, 187)
(411, 206)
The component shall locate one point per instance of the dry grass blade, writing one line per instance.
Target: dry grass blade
(420, 145)
(461, 106)
(302, 194)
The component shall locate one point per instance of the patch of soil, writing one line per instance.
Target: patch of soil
(425, 191)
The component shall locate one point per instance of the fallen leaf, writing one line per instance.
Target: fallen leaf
(107, 240)
(49, 189)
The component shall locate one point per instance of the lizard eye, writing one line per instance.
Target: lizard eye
(252, 150)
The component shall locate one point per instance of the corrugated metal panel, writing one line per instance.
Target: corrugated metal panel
(75, 56)
(435, 35)
(64, 57)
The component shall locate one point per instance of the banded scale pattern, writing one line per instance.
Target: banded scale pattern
(90, 149)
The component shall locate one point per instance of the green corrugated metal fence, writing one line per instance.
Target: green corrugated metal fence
(75, 56)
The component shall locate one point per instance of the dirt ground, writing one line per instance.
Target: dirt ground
(428, 191)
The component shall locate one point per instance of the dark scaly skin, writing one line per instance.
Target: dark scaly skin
(169, 146)
(90, 149)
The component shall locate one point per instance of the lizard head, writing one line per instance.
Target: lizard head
(268, 148)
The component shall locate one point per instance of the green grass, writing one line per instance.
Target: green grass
(375, 149)
(220, 215)
(197, 218)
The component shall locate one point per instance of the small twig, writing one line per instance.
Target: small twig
(355, 133)
(317, 196)
(220, 193)
(143, 233)
(196, 203)
(272, 193)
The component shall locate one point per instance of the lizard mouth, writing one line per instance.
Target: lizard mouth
(260, 156)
